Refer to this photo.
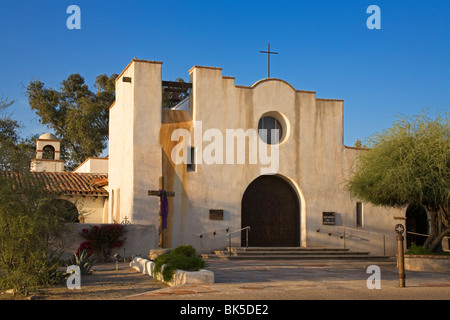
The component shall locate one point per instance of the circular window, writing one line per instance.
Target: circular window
(273, 127)
(270, 130)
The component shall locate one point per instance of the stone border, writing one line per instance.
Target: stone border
(430, 263)
(180, 276)
(427, 256)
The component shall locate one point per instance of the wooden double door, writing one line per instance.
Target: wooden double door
(270, 206)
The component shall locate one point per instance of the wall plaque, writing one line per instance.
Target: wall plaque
(215, 214)
(328, 218)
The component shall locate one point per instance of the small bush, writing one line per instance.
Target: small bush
(101, 240)
(419, 250)
(187, 251)
(182, 258)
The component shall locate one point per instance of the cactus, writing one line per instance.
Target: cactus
(84, 261)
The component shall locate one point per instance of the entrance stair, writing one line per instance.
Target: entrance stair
(290, 253)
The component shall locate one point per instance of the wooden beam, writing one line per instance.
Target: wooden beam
(157, 193)
(176, 84)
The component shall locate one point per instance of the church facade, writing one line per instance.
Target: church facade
(223, 174)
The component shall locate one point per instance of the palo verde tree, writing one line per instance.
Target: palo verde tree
(78, 116)
(409, 164)
(32, 227)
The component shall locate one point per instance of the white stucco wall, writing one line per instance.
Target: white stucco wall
(44, 165)
(312, 159)
(134, 149)
(93, 165)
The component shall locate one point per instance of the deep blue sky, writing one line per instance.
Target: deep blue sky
(323, 45)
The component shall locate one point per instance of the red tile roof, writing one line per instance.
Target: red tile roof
(67, 183)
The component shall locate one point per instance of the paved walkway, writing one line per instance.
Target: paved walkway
(306, 280)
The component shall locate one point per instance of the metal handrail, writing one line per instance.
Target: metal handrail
(212, 232)
(347, 228)
(418, 234)
(247, 228)
(359, 230)
(344, 236)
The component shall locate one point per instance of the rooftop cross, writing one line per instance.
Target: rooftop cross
(268, 58)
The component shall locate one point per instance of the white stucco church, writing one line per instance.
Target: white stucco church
(301, 202)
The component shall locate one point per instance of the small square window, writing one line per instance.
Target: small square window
(190, 164)
(359, 214)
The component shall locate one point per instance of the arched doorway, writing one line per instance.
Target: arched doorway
(67, 210)
(270, 206)
(416, 222)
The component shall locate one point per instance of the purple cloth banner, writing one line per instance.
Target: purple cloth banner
(163, 208)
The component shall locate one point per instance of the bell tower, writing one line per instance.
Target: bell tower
(48, 152)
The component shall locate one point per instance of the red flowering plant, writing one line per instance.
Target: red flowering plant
(101, 240)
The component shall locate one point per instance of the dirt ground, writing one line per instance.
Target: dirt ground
(104, 283)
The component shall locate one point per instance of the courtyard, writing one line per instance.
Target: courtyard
(257, 280)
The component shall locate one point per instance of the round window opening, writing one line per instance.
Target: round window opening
(270, 130)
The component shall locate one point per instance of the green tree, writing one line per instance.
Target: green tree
(31, 224)
(408, 164)
(15, 152)
(78, 116)
(359, 144)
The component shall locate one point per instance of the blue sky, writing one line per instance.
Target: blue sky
(323, 46)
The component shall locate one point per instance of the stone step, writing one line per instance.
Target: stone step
(289, 253)
(300, 253)
(296, 249)
(293, 257)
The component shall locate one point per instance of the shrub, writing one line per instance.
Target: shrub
(419, 250)
(83, 260)
(30, 227)
(182, 258)
(101, 240)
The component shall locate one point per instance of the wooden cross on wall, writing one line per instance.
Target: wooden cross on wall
(159, 193)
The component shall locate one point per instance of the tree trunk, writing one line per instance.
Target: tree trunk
(437, 241)
(432, 235)
(439, 227)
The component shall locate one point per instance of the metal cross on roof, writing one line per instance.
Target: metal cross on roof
(268, 58)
